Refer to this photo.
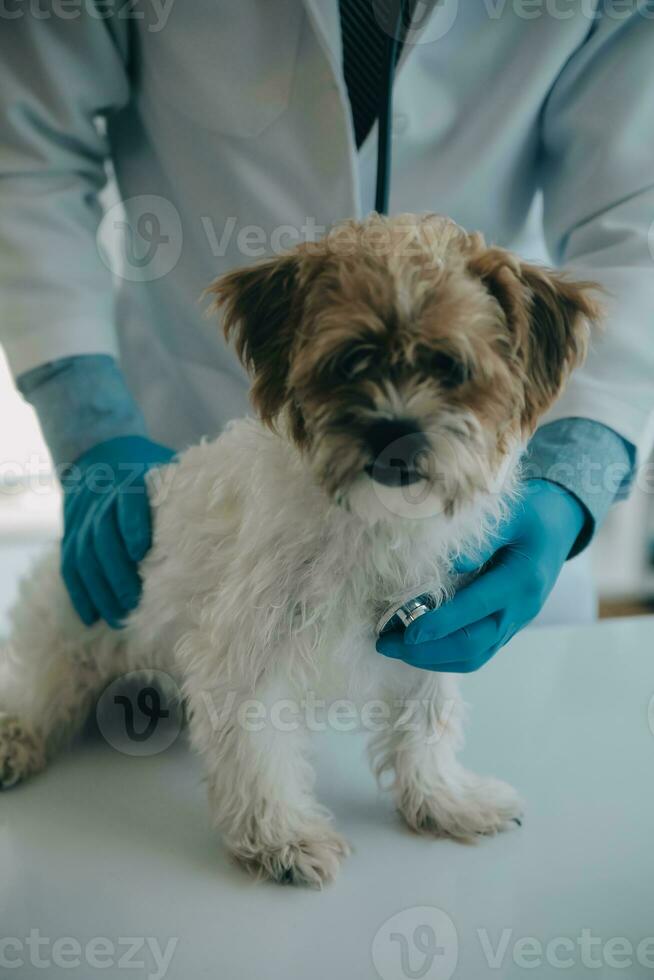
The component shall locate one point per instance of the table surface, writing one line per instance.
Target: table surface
(107, 860)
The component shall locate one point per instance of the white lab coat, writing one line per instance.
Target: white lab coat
(229, 123)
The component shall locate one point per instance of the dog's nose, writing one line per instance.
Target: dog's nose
(396, 445)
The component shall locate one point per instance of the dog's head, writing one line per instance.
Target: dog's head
(405, 351)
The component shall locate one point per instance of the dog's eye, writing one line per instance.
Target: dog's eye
(450, 372)
(352, 364)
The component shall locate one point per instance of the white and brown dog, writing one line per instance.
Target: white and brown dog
(398, 367)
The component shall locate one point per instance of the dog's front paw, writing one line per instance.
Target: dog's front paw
(312, 860)
(478, 807)
(21, 752)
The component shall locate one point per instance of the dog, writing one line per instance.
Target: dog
(398, 368)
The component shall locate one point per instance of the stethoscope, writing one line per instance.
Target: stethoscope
(385, 115)
(409, 607)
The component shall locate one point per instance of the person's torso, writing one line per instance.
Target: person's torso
(238, 142)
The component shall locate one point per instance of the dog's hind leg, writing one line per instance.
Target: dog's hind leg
(52, 667)
(434, 793)
(260, 781)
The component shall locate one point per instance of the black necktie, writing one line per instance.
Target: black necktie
(365, 26)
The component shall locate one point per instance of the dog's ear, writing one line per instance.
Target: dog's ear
(548, 316)
(261, 309)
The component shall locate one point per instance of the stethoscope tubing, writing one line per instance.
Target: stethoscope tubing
(399, 614)
(385, 117)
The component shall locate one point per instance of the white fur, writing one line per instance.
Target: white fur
(258, 586)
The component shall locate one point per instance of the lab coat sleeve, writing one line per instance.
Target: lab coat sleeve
(58, 77)
(598, 198)
(589, 460)
(80, 401)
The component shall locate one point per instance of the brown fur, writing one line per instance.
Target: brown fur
(409, 316)
(548, 315)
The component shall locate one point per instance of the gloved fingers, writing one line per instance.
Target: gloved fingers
(134, 518)
(75, 501)
(119, 570)
(485, 595)
(471, 665)
(466, 647)
(91, 572)
(79, 596)
(464, 564)
(506, 629)
(499, 538)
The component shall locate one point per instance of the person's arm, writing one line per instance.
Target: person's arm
(58, 77)
(98, 441)
(597, 177)
(586, 458)
(552, 520)
(598, 190)
(80, 402)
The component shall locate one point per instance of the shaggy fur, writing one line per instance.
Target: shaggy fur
(398, 367)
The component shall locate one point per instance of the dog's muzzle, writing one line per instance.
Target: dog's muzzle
(399, 448)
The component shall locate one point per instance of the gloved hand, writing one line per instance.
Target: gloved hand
(107, 526)
(522, 563)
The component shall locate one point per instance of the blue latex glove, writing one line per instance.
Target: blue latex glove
(522, 563)
(107, 526)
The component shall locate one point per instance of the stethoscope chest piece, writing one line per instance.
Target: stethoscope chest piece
(403, 612)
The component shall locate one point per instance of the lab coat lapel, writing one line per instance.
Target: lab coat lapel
(324, 17)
